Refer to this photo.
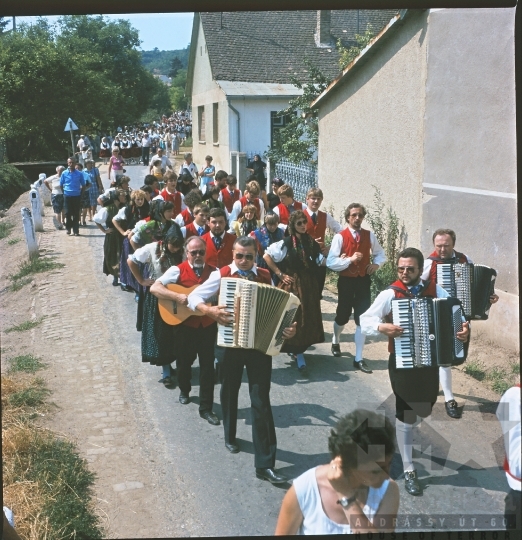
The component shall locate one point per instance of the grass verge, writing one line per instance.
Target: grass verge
(5, 229)
(498, 379)
(13, 241)
(19, 283)
(45, 482)
(35, 266)
(25, 362)
(27, 325)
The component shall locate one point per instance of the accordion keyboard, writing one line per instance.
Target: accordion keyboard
(402, 317)
(446, 278)
(226, 298)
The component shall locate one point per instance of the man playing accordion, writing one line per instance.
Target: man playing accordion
(415, 389)
(258, 365)
(444, 243)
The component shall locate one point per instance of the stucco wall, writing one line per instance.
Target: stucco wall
(470, 145)
(371, 129)
(206, 92)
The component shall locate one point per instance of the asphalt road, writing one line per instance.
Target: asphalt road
(209, 492)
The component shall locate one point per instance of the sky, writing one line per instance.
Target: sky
(166, 31)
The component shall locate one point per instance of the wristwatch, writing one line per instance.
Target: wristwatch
(345, 502)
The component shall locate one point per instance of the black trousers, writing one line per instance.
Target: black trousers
(321, 278)
(145, 154)
(189, 342)
(72, 207)
(353, 294)
(259, 372)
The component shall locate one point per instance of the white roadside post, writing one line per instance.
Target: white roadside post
(36, 211)
(30, 236)
(37, 186)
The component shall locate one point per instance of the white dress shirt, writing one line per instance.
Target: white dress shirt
(210, 288)
(508, 414)
(278, 252)
(337, 264)
(381, 307)
(191, 168)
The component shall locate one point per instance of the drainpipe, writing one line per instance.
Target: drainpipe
(238, 124)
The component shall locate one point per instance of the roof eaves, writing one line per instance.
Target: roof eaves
(192, 54)
(363, 55)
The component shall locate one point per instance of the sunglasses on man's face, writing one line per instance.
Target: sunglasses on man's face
(197, 252)
(247, 256)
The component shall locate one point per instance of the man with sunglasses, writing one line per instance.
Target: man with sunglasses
(415, 389)
(258, 365)
(196, 335)
(444, 244)
(350, 256)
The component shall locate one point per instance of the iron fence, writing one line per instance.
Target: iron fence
(301, 177)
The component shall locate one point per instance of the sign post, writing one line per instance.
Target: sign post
(70, 126)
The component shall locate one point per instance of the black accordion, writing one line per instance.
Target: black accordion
(472, 284)
(430, 327)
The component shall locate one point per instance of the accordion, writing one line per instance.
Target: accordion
(472, 284)
(430, 326)
(261, 313)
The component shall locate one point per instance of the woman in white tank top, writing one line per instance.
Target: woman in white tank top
(352, 493)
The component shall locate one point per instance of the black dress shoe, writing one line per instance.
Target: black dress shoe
(184, 398)
(270, 475)
(232, 448)
(336, 349)
(210, 417)
(411, 484)
(453, 409)
(363, 366)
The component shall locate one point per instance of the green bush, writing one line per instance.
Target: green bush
(12, 184)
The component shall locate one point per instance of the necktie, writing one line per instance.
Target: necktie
(231, 193)
(200, 230)
(415, 290)
(314, 218)
(357, 236)
(198, 271)
(217, 241)
(246, 274)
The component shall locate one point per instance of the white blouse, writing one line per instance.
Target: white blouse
(315, 519)
(147, 255)
(278, 252)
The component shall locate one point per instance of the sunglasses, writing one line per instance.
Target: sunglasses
(300, 223)
(409, 269)
(240, 256)
(197, 252)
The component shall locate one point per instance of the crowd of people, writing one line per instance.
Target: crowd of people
(157, 238)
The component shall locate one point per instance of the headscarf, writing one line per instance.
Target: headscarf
(165, 256)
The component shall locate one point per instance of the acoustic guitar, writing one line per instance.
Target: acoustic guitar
(173, 312)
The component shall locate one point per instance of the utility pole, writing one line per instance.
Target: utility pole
(14, 24)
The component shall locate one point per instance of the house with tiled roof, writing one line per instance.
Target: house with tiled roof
(240, 72)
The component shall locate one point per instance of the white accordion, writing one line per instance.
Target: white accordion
(261, 313)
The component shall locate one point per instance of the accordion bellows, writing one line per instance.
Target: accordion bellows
(261, 313)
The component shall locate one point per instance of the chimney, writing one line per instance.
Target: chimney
(322, 36)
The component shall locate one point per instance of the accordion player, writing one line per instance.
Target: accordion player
(472, 284)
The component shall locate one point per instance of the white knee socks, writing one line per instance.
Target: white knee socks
(359, 339)
(337, 333)
(404, 434)
(445, 381)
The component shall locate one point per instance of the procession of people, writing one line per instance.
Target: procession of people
(176, 245)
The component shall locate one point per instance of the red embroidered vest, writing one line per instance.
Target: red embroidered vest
(263, 275)
(223, 256)
(244, 201)
(350, 246)
(319, 229)
(229, 200)
(429, 291)
(188, 278)
(174, 198)
(192, 230)
(284, 213)
(187, 216)
(435, 260)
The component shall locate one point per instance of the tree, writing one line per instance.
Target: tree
(346, 56)
(175, 66)
(297, 141)
(178, 100)
(3, 23)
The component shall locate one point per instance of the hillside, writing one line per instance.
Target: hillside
(161, 60)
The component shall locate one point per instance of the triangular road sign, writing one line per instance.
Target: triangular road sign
(70, 126)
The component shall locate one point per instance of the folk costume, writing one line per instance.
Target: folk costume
(229, 198)
(219, 248)
(265, 238)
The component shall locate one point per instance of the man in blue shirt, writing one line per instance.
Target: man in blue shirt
(73, 184)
